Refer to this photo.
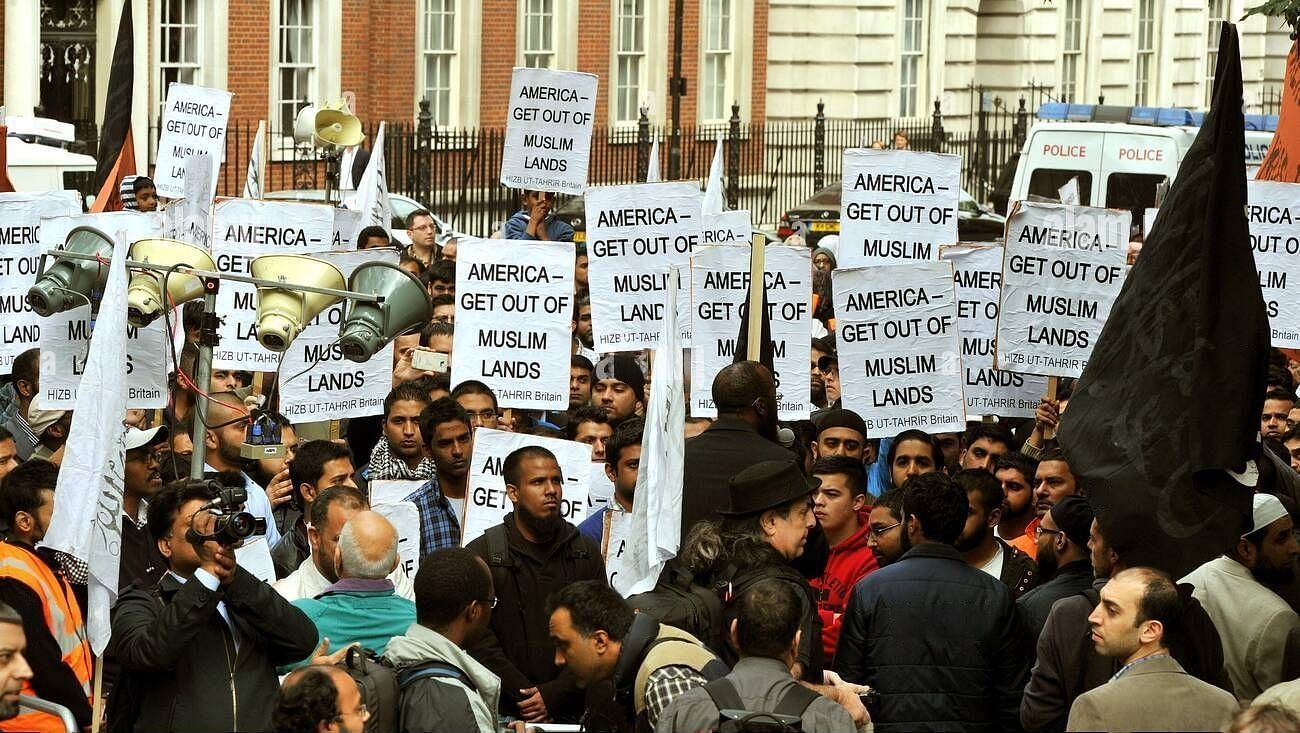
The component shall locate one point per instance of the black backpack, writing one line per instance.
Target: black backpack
(677, 600)
(734, 718)
(379, 689)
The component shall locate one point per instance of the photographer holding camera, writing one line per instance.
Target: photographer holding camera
(199, 649)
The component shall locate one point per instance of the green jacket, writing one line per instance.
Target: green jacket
(353, 609)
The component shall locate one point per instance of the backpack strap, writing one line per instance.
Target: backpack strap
(498, 556)
(724, 695)
(795, 701)
(434, 669)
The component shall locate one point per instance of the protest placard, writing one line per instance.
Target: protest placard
(1062, 268)
(65, 337)
(347, 225)
(600, 490)
(1148, 220)
(390, 491)
(20, 255)
(900, 364)
(193, 121)
(636, 235)
(514, 315)
(977, 274)
(548, 130)
(727, 227)
(614, 546)
(243, 230)
(897, 206)
(488, 505)
(405, 517)
(255, 557)
(1274, 217)
(317, 381)
(719, 284)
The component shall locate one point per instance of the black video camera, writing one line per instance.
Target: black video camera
(223, 519)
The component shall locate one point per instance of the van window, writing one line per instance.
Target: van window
(1135, 191)
(1047, 182)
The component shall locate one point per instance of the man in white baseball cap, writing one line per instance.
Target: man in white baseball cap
(1259, 631)
(140, 557)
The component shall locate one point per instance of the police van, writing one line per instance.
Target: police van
(38, 160)
(1120, 155)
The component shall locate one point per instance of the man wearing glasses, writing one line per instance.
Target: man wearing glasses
(320, 695)
(140, 558)
(1063, 560)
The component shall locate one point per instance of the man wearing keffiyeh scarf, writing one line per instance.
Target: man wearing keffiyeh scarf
(400, 455)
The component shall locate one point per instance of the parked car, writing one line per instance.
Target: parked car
(402, 208)
(574, 213)
(820, 215)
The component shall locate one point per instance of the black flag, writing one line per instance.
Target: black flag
(766, 353)
(116, 157)
(1171, 398)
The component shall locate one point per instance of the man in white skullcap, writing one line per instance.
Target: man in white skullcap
(1259, 631)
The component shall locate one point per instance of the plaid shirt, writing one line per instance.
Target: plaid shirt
(665, 684)
(439, 528)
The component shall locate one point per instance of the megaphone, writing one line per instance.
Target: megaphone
(69, 283)
(337, 127)
(304, 125)
(368, 326)
(282, 311)
(144, 299)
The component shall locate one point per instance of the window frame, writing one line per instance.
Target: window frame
(723, 60)
(450, 10)
(1072, 55)
(639, 57)
(913, 27)
(1213, 27)
(1145, 70)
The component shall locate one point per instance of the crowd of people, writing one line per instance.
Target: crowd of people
(826, 580)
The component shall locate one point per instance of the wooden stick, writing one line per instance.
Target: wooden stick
(97, 711)
(757, 283)
(1052, 383)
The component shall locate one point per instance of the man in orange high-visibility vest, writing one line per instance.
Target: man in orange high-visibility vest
(57, 649)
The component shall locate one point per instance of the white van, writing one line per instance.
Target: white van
(1118, 154)
(35, 166)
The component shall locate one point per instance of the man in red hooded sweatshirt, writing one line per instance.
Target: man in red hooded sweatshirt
(841, 506)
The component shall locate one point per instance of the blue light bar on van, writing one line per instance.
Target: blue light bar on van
(1264, 123)
(1158, 116)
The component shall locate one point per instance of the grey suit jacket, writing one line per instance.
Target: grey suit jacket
(1153, 696)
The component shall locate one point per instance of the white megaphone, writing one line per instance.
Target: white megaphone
(282, 310)
(330, 127)
(68, 283)
(144, 296)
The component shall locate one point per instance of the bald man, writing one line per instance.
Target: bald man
(362, 607)
(227, 423)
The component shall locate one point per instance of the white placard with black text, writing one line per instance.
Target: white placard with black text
(897, 206)
(193, 121)
(977, 275)
(405, 517)
(636, 234)
(1062, 268)
(548, 130)
(1274, 218)
(514, 315)
(20, 255)
(896, 332)
(719, 285)
(487, 504)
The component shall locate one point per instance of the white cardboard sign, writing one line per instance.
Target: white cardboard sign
(487, 504)
(1062, 268)
(897, 206)
(392, 491)
(548, 130)
(65, 337)
(900, 364)
(318, 382)
(719, 284)
(405, 517)
(636, 235)
(977, 275)
(614, 543)
(194, 121)
(1274, 218)
(244, 229)
(514, 313)
(20, 254)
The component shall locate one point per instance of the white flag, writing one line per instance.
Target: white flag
(87, 520)
(372, 192)
(652, 170)
(715, 196)
(253, 183)
(655, 534)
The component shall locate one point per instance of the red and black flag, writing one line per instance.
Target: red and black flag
(1170, 400)
(116, 158)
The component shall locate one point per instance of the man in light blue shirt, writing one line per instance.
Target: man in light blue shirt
(227, 423)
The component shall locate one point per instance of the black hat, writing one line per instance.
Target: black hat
(766, 485)
(840, 418)
(623, 368)
(1073, 516)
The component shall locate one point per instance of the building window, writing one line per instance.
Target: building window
(1146, 52)
(909, 62)
(1072, 50)
(717, 59)
(439, 58)
(630, 59)
(1218, 15)
(178, 44)
(539, 34)
(295, 68)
